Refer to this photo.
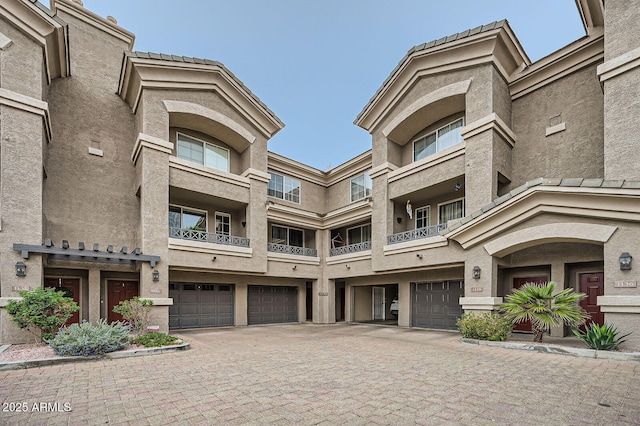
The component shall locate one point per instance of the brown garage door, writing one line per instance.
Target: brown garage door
(197, 305)
(272, 304)
(436, 304)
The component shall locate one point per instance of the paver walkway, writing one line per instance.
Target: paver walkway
(328, 374)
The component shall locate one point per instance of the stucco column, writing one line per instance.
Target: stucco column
(558, 277)
(240, 304)
(94, 295)
(23, 136)
(381, 213)
(404, 302)
(480, 294)
(151, 158)
(257, 218)
(324, 301)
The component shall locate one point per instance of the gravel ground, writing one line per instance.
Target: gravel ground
(28, 352)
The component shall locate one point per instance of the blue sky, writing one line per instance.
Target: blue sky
(316, 64)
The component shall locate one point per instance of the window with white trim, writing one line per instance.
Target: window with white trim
(451, 210)
(361, 187)
(287, 236)
(189, 219)
(359, 234)
(284, 188)
(443, 138)
(223, 223)
(423, 217)
(192, 149)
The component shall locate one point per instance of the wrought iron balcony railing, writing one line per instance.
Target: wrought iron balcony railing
(415, 234)
(351, 248)
(281, 248)
(208, 237)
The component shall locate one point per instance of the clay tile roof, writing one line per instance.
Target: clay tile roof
(438, 42)
(190, 60)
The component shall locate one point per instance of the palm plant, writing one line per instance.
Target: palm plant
(537, 303)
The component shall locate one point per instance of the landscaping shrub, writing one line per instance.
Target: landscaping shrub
(156, 339)
(88, 339)
(604, 337)
(484, 326)
(135, 312)
(41, 311)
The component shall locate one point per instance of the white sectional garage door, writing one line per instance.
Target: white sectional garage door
(272, 304)
(197, 305)
(436, 304)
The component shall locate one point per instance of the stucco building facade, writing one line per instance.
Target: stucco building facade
(128, 173)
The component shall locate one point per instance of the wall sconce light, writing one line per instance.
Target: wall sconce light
(625, 261)
(244, 224)
(458, 186)
(156, 275)
(213, 259)
(348, 266)
(399, 220)
(419, 256)
(21, 269)
(475, 272)
(295, 267)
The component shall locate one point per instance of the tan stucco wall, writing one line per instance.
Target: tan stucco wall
(574, 152)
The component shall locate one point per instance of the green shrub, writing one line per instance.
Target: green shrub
(156, 339)
(88, 339)
(41, 311)
(484, 326)
(604, 337)
(135, 312)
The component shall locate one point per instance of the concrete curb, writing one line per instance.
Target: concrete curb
(34, 363)
(560, 350)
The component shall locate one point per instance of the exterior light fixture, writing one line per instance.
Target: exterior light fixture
(476, 272)
(295, 267)
(348, 266)
(21, 269)
(625, 261)
(458, 186)
(419, 256)
(156, 275)
(399, 220)
(244, 224)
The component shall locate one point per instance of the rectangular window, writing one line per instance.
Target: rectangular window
(361, 187)
(284, 188)
(201, 152)
(183, 218)
(223, 223)
(443, 138)
(359, 234)
(423, 217)
(450, 210)
(287, 236)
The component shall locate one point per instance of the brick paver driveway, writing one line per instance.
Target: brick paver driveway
(333, 374)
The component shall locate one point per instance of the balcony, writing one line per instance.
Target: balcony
(351, 248)
(208, 237)
(415, 234)
(285, 249)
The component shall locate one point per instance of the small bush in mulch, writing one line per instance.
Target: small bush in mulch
(88, 339)
(154, 339)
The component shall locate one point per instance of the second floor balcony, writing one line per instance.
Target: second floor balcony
(208, 237)
(286, 249)
(351, 248)
(415, 234)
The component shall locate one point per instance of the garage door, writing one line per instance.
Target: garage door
(436, 304)
(200, 305)
(272, 304)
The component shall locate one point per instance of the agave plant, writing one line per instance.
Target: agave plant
(537, 303)
(603, 337)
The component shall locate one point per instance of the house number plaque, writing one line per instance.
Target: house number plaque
(625, 284)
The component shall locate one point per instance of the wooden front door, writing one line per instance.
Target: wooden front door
(593, 286)
(71, 288)
(519, 282)
(118, 291)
